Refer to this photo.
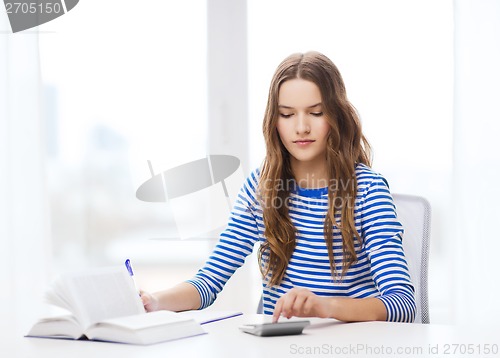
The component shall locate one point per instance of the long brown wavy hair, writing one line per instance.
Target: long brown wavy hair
(346, 147)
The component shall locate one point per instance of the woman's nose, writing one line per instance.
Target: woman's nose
(302, 126)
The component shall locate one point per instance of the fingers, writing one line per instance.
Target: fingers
(277, 310)
(284, 306)
(296, 302)
(298, 305)
(308, 308)
(147, 301)
(288, 302)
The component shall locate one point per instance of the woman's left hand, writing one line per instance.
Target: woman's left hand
(301, 302)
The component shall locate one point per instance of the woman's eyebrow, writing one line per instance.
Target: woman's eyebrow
(288, 107)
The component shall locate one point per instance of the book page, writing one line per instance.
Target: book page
(58, 295)
(57, 326)
(101, 294)
(148, 328)
(147, 320)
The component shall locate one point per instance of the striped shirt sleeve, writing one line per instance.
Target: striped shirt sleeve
(235, 244)
(383, 235)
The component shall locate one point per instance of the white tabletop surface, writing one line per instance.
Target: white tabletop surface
(323, 338)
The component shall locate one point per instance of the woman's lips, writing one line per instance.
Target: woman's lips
(303, 142)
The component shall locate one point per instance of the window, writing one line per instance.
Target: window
(122, 85)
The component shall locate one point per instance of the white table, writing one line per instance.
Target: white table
(324, 338)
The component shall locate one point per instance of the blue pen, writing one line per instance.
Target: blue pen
(128, 265)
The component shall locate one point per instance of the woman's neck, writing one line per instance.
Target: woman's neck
(310, 175)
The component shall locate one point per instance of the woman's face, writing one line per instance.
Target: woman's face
(302, 125)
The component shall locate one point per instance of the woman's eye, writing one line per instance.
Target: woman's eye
(285, 115)
(317, 114)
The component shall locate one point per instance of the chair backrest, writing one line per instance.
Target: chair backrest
(414, 213)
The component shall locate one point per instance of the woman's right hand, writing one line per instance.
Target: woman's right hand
(149, 301)
(182, 297)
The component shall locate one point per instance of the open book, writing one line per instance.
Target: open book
(106, 306)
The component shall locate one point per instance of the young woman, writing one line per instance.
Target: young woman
(330, 241)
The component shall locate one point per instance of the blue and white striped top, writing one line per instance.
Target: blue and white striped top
(380, 271)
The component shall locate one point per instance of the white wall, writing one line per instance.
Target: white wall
(476, 161)
(24, 245)
(227, 79)
(396, 58)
